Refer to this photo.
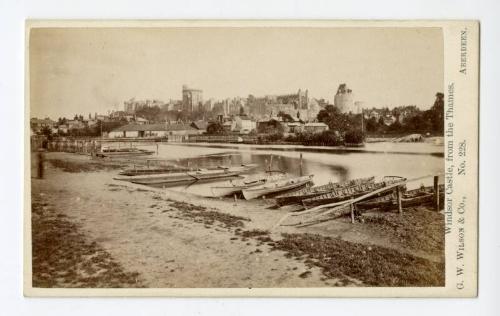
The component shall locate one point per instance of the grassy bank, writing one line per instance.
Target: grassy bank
(372, 265)
(63, 257)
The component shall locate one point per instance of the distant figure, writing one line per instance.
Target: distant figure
(41, 158)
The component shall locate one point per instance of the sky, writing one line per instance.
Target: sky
(88, 70)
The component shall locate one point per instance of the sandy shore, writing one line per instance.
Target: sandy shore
(163, 238)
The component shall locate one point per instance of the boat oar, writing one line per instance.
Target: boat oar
(192, 176)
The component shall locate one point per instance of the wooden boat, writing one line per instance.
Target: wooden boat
(276, 187)
(187, 176)
(309, 192)
(155, 170)
(342, 194)
(420, 196)
(121, 152)
(236, 186)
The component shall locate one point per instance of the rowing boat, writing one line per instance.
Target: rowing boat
(296, 197)
(342, 194)
(236, 186)
(157, 170)
(123, 152)
(187, 176)
(420, 196)
(276, 187)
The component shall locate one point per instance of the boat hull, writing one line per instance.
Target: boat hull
(249, 194)
(170, 178)
(411, 198)
(124, 153)
(298, 196)
(220, 191)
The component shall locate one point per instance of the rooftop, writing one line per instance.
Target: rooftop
(153, 127)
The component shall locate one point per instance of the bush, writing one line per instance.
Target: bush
(267, 138)
(354, 137)
(326, 138)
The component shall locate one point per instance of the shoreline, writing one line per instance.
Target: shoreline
(185, 240)
(319, 149)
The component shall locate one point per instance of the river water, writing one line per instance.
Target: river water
(409, 160)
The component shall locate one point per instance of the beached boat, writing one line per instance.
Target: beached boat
(310, 192)
(236, 186)
(276, 187)
(123, 152)
(187, 176)
(342, 194)
(154, 170)
(420, 196)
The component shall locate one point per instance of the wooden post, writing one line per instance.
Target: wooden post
(436, 193)
(235, 199)
(398, 194)
(157, 149)
(41, 165)
(271, 163)
(352, 213)
(301, 164)
(147, 163)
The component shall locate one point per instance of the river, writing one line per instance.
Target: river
(409, 160)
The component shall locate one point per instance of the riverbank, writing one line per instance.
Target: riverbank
(381, 147)
(168, 238)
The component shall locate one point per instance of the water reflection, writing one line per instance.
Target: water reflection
(390, 159)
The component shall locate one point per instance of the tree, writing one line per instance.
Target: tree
(285, 116)
(150, 113)
(354, 136)
(271, 127)
(372, 125)
(46, 131)
(396, 127)
(215, 128)
(437, 113)
(381, 121)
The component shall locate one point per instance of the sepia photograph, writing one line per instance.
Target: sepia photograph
(238, 156)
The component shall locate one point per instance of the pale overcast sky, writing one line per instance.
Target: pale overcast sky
(87, 70)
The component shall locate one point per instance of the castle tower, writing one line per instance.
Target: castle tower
(344, 99)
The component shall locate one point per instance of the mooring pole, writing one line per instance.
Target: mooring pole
(436, 193)
(301, 164)
(398, 194)
(41, 166)
(157, 149)
(352, 213)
